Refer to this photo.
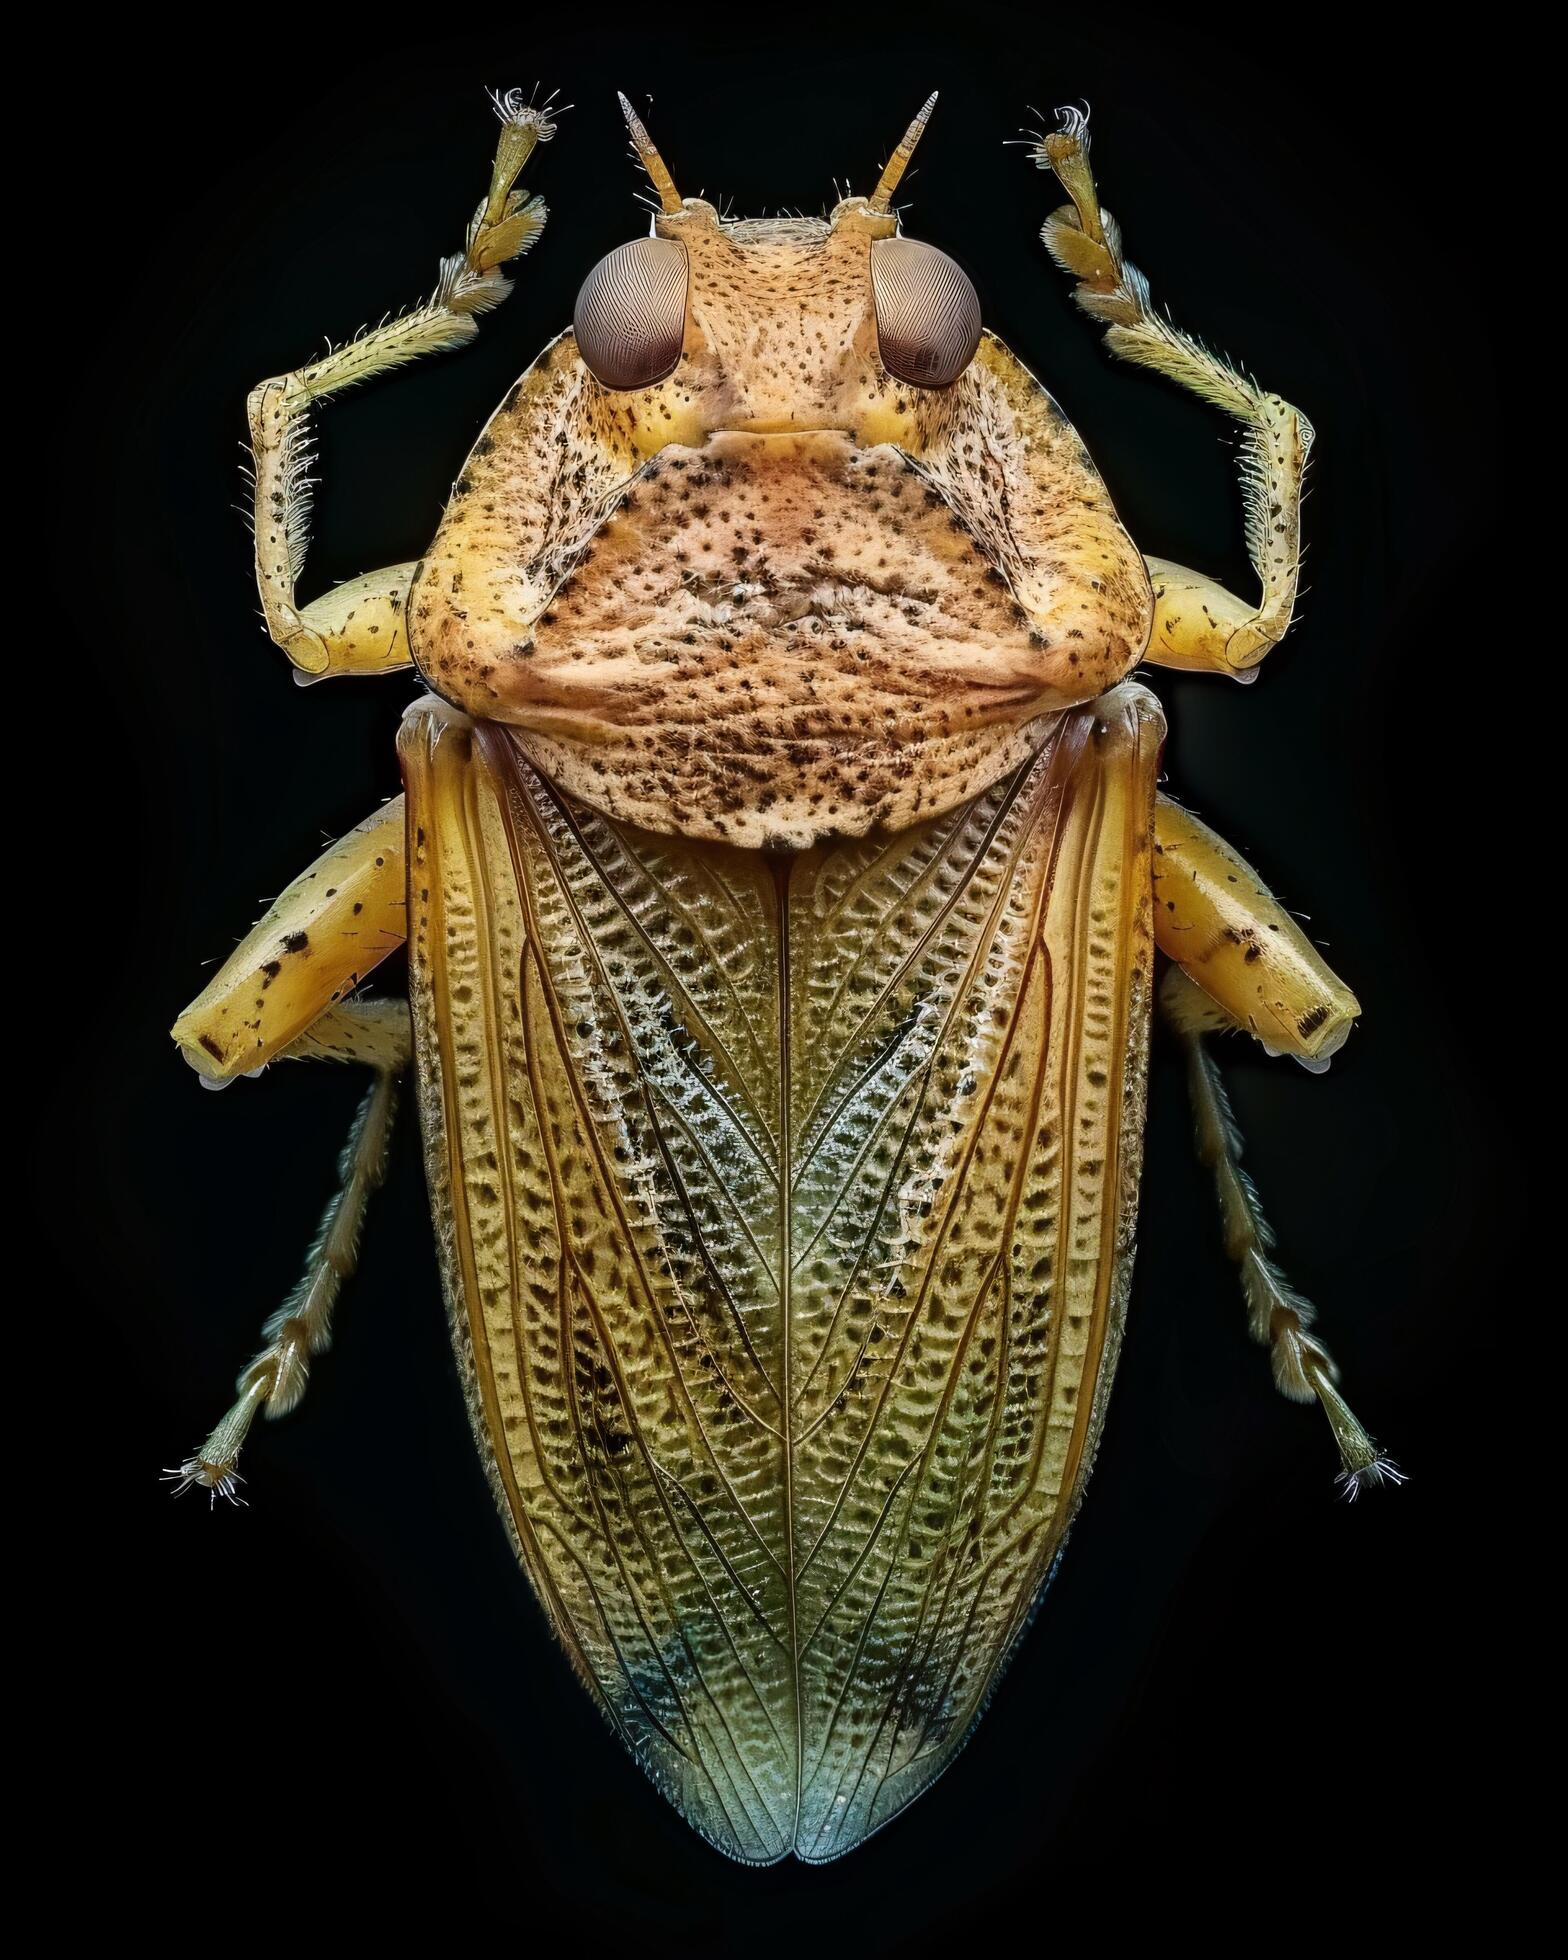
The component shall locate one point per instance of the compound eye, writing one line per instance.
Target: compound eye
(630, 318)
(928, 314)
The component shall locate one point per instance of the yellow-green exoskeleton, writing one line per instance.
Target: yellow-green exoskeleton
(782, 873)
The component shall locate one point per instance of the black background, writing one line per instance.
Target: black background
(1246, 1706)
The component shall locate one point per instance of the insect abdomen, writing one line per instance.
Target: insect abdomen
(786, 1207)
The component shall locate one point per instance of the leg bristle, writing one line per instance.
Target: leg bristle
(1370, 1476)
(218, 1480)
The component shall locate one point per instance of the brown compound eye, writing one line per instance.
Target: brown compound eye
(928, 314)
(630, 317)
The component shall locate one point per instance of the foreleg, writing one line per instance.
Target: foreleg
(362, 627)
(1197, 623)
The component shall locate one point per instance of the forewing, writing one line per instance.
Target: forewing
(786, 1210)
(628, 1428)
(970, 1065)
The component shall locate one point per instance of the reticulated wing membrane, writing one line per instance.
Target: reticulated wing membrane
(786, 1210)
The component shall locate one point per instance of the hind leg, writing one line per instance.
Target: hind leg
(1278, 1317)
(376, 1034)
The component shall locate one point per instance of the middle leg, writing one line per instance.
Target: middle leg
(1215, 917)
(321, 937)
(1241, 962)
(281, 993)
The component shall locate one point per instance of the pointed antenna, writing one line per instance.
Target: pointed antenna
(652, 162)
(898, 162)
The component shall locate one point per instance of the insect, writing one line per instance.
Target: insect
(782, 872)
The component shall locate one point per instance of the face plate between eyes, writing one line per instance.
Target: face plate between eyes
(840, 294)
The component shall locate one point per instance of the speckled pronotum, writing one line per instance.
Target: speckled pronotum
(782, 874)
